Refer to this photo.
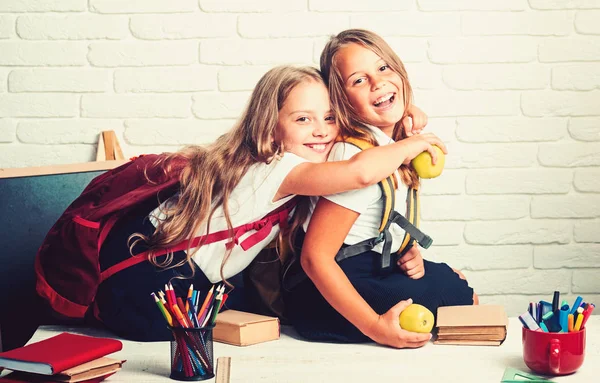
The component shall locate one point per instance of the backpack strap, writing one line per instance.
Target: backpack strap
(263, 227)
(389, 216)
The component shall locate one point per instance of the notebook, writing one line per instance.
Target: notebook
(58, 353)
(471, 325)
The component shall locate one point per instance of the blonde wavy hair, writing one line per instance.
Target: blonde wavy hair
(212, 173)
(350, 122)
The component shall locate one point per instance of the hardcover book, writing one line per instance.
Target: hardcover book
(58, 353)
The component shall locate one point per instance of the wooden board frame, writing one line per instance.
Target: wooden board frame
(60, 169)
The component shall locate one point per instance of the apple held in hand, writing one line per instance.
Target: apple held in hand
(424, 167)
(416, 318)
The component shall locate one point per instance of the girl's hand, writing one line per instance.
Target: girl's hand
(423, 142)
(387, 330)
(412, 263)
(414, 121)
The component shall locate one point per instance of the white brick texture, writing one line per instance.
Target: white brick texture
(547, 103)
(210, 105)
(518, 232)
(166, 80)
(64, 131)
(564, 4)
(43, 5)
(496, 76)
(42, 53)
(587, 180)
(510, 129)
(569, 256)
(587, 231)
(586, 23)
(290, 25)
(78, 27)
(39, 105)
(7, 130)
(576, 77)
(244, 6)
(6, 26)
(570, 155)
(471, 50)
(512, 87)
(143, 53)
(59, 80)
(517, 23)
(143, 6)
(585, 128)
(408, 24)
(358, 6)
(182, 26)
(255, 51)
(570, 49)
(519, 181)
(469, 5)
(175, 132)
(131, 106)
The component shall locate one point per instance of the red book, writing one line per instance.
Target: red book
(56, 354)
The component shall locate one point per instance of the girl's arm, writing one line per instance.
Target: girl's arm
(364, 169)
(414, 121)
(326, 232)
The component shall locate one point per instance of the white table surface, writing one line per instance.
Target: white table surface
(291, 359)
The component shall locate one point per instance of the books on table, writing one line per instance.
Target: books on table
(65, 357)
(476, 325)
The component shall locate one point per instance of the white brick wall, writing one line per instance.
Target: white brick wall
(512, 86)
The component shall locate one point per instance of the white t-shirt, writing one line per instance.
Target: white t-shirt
(368, 202)
(250, 201)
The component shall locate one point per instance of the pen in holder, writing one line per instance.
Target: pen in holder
(192, 353)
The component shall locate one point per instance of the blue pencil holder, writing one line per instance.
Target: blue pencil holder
(192, 353)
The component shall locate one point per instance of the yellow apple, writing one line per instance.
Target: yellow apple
(416, 318)
(424, 167)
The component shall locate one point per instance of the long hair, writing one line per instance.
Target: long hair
(350, 122)
(212, 173)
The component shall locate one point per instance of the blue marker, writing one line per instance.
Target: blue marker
(563, 318)
(576, 304)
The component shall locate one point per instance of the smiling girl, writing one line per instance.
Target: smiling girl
(354, 300)
(277, 150)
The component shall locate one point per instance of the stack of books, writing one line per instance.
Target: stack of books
(62, 358)
(481, 325)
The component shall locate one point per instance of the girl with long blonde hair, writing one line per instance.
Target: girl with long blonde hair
(199, 215)
(353, 300)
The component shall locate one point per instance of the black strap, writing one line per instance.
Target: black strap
(422, 239)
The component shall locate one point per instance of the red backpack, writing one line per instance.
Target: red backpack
(67, 263)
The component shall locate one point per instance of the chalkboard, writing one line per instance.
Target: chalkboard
(31, 200)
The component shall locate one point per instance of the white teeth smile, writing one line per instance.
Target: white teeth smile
(317, 147)
(383, 99)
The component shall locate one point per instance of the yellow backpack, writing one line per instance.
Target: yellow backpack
(409, 223)
(293, 273)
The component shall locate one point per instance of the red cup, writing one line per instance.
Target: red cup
(553, 353)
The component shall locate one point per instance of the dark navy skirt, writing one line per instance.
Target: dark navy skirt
(124, 300)
(315, 319)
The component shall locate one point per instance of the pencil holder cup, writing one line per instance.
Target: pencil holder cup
(553, 353)
(192, 353)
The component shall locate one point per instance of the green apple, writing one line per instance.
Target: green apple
(424, 167)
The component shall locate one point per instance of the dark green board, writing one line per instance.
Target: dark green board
(30, 205)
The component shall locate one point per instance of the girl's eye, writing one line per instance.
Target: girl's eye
(302, 119)
(384, 68)
(358, 81)
(330, 119)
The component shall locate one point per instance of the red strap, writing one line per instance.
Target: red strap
(263, 227)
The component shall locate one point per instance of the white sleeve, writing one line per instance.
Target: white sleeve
(356, 200)
(276, 172)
